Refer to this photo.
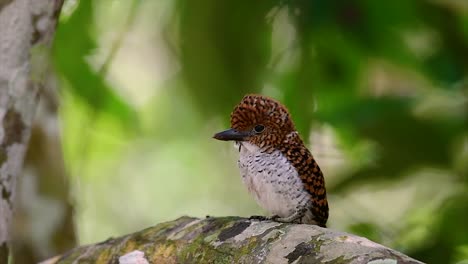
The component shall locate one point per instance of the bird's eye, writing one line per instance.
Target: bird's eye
(259, 128)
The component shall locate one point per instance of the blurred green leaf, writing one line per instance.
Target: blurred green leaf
(404, 141)
(449, 234)
(367, 230)
(225, 45)
(449, 64)
(74, 41)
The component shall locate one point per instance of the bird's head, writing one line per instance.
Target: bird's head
(258, 120)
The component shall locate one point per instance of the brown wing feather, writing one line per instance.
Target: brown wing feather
(311, 176)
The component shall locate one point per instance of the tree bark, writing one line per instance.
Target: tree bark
(26, 28)
(234, 240)
(43, 192)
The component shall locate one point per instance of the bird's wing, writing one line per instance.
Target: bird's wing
(312, 178)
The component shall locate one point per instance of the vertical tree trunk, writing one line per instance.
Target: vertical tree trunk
(26, 29)
(42, 201)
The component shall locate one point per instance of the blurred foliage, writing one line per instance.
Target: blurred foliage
(70, 58)
(389, 78)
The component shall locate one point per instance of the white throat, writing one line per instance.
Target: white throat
(246, 147)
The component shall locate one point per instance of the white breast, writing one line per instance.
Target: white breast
(271, 180)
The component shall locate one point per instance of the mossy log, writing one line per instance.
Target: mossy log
(234, 240)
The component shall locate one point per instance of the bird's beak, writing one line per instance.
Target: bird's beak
(231, 134)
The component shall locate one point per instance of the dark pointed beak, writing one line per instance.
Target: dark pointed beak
(231, 134)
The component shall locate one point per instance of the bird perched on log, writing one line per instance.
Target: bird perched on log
(277, 169)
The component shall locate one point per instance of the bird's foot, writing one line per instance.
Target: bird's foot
(296, 217)
(259, 218)
(265, 218)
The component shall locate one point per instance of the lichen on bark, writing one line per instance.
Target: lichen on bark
(234, 240)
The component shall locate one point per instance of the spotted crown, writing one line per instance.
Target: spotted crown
(256, 110)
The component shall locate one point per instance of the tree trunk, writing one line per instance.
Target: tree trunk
(26, 28)
(43, 191)
(233, 240)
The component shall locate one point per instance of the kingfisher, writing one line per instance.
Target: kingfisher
(277, 169)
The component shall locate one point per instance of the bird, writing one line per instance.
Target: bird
(275, 165)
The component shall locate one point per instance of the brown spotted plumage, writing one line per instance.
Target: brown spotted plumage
(278, 170)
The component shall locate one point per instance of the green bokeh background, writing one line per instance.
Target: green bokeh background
(378, 89)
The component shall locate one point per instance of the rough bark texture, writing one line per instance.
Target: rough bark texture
(26, 27)
(234, 240)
